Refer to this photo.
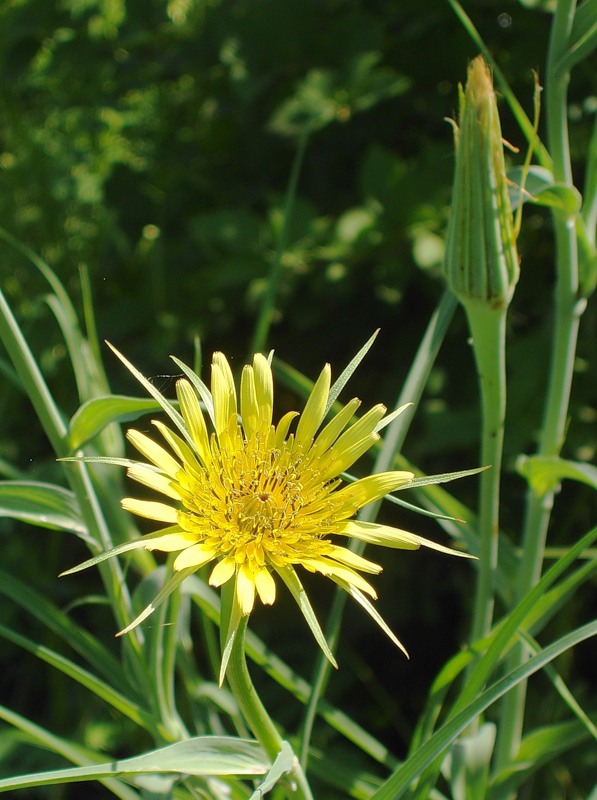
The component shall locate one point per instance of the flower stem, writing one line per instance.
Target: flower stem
(568, 309)
(254, 713)
(488, 330)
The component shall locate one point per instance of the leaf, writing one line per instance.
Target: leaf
(170, 586)
(536, 185)
(469, 764)
(229, 633)
(93, 416)
(209, 603)
(539, 747)
(75, 753)
(543, 473)
(396, 786)
(91, 649)
(42, 504)
(498, 643)
(283, 764)
(167, 406)
(103, 690)
(202, 755)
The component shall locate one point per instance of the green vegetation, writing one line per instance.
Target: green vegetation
(185, 176)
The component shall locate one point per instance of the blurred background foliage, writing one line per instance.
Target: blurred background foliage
(151, 143)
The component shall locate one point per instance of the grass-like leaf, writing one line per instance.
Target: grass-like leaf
(396, 786)
(202, 755)
(42, 504)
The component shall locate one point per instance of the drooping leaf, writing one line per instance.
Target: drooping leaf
(536, 185)
(545, 472)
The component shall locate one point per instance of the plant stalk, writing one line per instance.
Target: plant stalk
(488, 330)
(567, 309)
(255, 714)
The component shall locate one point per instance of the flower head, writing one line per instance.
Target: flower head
(254, 499)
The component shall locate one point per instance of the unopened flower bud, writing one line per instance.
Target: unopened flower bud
(481, 260)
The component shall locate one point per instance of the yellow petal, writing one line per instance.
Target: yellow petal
(222, 572)
(385, 535)
(361, 429)
(345, 556)
(342, 459)
(266, 586)
(249, 410)
(373, 487)
(223, 392)
(283, 426)
(170, 542)
(314, 410)
(330, 569)
(194, 420)
(264, 388)
(194, 556)
(334, 428)
(245, 589)
(155, 480)
(154, 452)
(150, 509)
(180, 447)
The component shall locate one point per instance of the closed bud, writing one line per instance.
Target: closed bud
(481, 260)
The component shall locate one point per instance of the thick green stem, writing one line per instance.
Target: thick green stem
(255, 715)
(568, 309)
(488, 331)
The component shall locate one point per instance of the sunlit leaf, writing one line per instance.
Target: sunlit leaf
(545, 472)
(93, 416)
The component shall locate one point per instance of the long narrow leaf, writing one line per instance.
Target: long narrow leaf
(395, 787)
(203, 755)
(348, 372)
(80, 640)
(73, 752)
(105, 691)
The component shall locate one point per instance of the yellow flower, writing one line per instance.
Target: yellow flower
(256, 500)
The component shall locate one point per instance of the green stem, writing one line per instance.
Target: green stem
(266, 311)
(488, 331)
(568, 309)
(254, 713)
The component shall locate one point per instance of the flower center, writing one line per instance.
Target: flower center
(258, 504)
(265, 498)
